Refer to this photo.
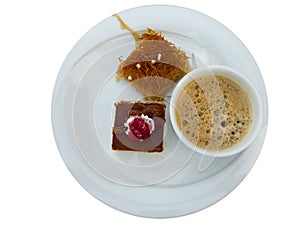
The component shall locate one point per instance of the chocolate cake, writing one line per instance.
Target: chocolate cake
(139, 126)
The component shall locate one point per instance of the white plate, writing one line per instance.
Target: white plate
(177, 181)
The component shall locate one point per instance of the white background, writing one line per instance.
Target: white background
(37, 188)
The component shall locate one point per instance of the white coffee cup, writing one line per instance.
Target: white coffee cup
(245, 84)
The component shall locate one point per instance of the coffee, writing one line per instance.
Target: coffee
(213, 112)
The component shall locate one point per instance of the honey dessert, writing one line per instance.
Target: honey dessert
(154, 66)
(139, 126)
(214, 112)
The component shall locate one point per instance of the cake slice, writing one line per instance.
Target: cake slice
(138, 126)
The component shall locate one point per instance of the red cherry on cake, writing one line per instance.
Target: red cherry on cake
(139, 127)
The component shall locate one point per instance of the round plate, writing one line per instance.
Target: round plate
(168, 184)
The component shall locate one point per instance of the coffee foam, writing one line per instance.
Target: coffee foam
(213, 112)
